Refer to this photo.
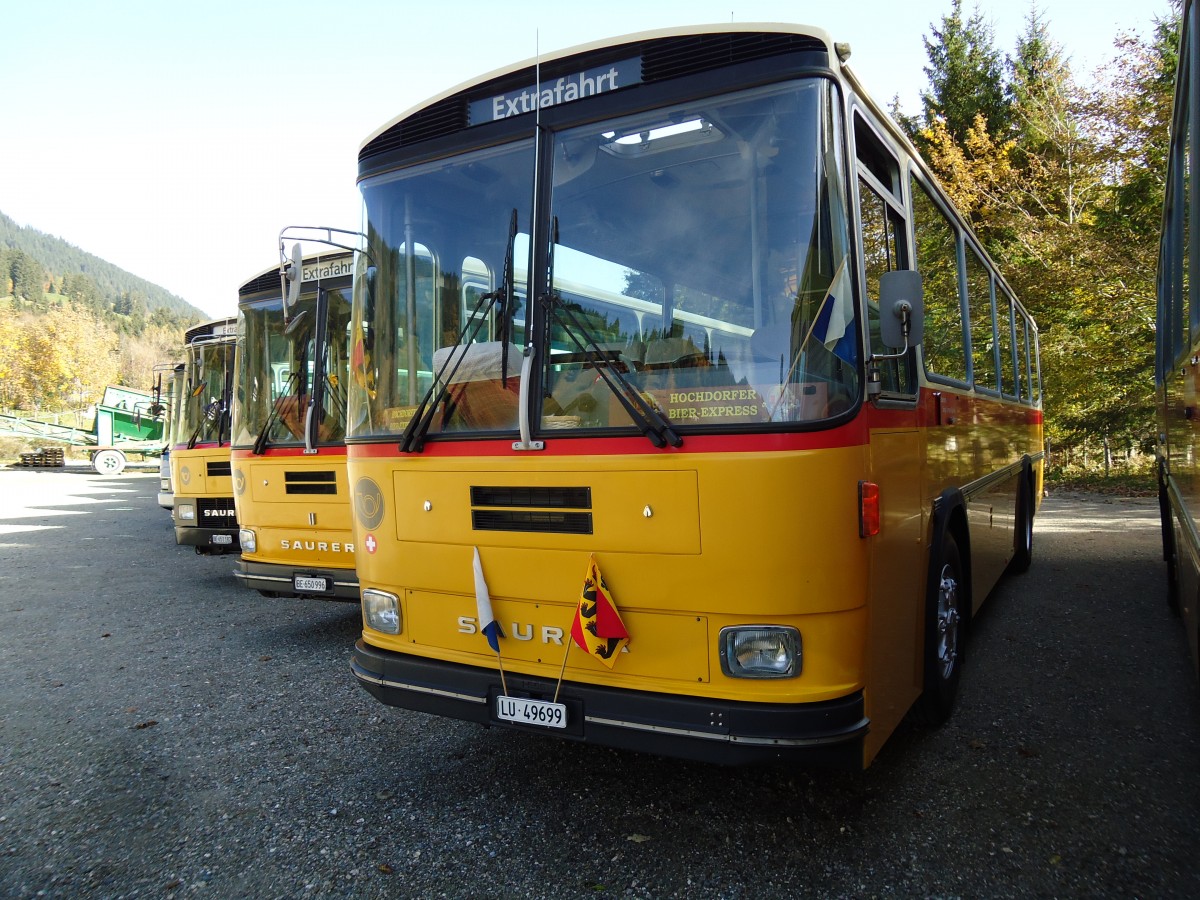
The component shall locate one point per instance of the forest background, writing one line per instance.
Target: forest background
(1062, 183)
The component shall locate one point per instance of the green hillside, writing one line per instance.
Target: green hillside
(54, 259)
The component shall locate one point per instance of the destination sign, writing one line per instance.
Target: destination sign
(315, 271)
(588, 83)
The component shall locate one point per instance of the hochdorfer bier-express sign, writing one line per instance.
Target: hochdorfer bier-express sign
(588, 83)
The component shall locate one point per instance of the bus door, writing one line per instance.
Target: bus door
(896, 583)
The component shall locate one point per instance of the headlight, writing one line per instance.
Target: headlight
(761, 651)
(247, 540)
(186, 511)
(381, 611)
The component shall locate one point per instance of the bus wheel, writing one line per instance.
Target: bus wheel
(1167, 516)
(944, 633)
(1023, 537)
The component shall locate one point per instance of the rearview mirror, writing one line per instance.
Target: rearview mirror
(293, 274)
(901, 308)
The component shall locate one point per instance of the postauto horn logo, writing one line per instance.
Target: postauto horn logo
(368, 503)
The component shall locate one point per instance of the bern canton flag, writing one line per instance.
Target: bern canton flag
(483, 604)
(597, 627)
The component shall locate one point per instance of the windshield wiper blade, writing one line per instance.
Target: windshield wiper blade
(213, 412)
(412, 441)
(643, 413)
(260, 442)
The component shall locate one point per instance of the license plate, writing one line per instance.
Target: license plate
(222, 538)
(531, 712)
(310, 583)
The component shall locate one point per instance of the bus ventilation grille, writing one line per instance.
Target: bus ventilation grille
(310, 482)
(268, 281)
(445, 117)
(220, 469)
(674, 57)
(551, 510)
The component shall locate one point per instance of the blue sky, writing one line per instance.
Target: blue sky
(176, 139)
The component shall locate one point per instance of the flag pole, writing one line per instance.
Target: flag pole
(500, 663)
(811, 328)
(562, 671)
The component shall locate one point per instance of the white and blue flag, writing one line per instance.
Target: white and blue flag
(483, 605)
(836, 316)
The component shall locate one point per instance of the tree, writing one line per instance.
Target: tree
(966, 76)
(28, 278)
(59, 348)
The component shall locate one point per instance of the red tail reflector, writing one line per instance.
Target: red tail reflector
(868, 508)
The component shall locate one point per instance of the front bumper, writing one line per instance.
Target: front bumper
(828, 733)
(207, 540)
(272, 578)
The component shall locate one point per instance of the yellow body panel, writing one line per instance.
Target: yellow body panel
(729, 539)
(299, 509)
(189, 471)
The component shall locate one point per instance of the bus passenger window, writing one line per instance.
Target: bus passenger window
(880, 226)
(944, 347)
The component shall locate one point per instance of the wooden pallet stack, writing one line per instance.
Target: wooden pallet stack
(43, 457)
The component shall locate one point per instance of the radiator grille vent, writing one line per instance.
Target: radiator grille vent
(530, 520)
(552, 510)
(545, 497)
(310, 482)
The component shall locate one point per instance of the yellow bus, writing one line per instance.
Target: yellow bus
(1178, 347)
(289, 431)
(736, 435)
(201, 477)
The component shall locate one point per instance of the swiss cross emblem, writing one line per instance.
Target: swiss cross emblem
(371, 543)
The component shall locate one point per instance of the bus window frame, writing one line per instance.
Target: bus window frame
(934, 194)
(894, 200)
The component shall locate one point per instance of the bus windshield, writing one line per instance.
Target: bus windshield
(205, 414)
(698, 254)
(280, 365)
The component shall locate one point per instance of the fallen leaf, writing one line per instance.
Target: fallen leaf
(149, 723)
(637, 838)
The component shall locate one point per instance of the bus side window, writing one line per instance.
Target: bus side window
(880, 230)
(882, 225)
(936, 242)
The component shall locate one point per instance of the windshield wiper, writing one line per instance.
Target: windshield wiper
(260, 442)
(212, 412)
(412, 441)
(644, 414)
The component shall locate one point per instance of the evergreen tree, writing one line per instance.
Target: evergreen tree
(966, 76)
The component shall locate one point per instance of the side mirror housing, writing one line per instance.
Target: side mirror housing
(901, 308)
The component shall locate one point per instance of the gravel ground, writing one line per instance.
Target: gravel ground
(167, 733)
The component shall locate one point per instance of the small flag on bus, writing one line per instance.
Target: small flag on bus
(598, 629)
(483, 605)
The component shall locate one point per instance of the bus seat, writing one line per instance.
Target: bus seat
(478, 398)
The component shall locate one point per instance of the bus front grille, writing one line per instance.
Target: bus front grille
(551, 510)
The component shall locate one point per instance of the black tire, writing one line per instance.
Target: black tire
(1023, 536)
(1168, 539)
(946, 607)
